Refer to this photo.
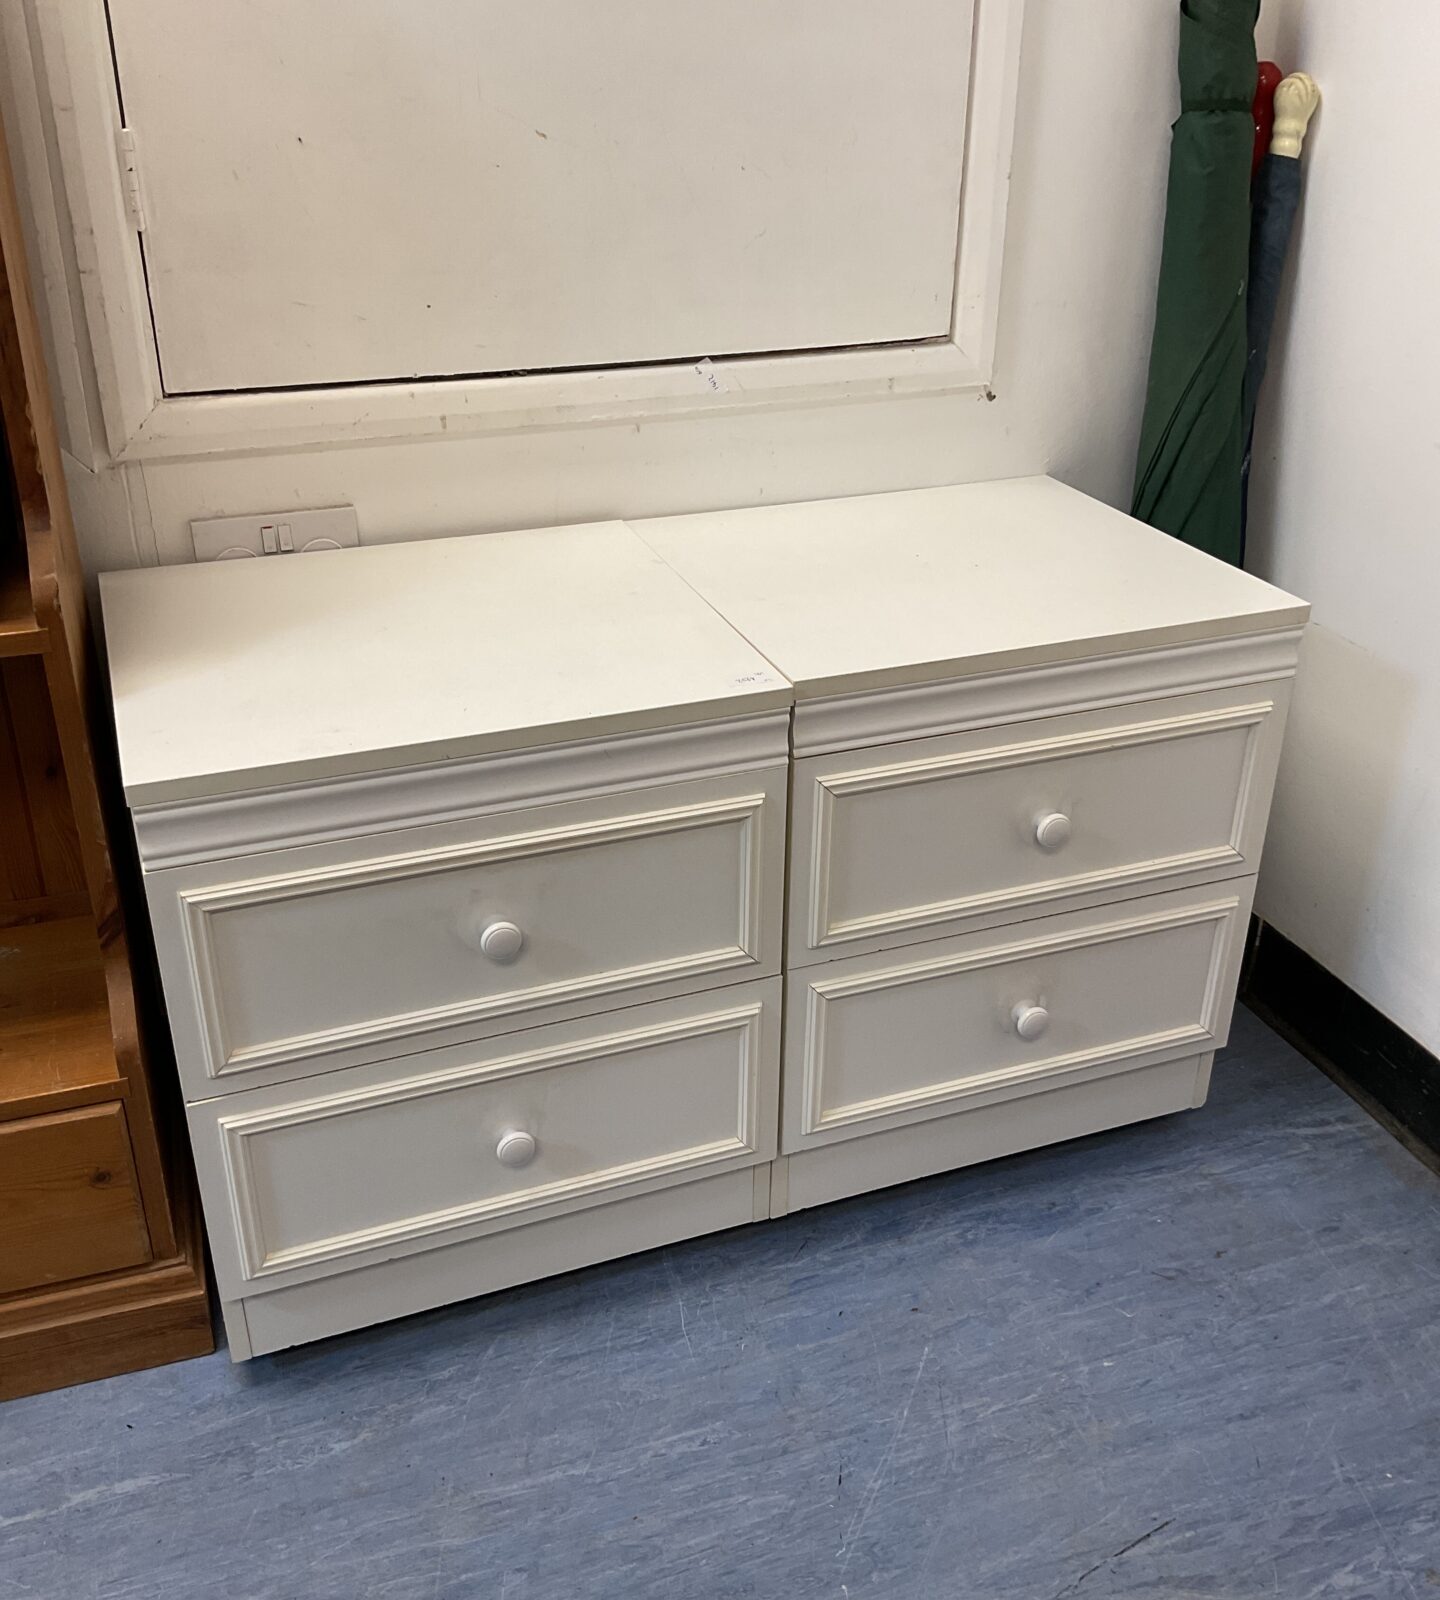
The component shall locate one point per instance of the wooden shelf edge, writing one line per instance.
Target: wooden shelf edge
(21, 634)
(42, 563)
(44, 908)
(25, 573)
(71, 1098)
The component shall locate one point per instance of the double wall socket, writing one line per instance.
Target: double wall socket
(278, 533)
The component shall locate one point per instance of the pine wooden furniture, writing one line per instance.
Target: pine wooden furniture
(468, 867)
(100, 1257)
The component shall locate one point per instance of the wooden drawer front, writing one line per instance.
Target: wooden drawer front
(69, 1203)
(328, 955)
(880, 1041)
(910, 838)
(396, 1157)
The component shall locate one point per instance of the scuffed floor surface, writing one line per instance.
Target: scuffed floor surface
(1193, 1358)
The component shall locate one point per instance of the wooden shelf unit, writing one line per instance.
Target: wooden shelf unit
(101, 1258)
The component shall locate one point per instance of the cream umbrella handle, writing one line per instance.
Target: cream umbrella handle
(1296, 100)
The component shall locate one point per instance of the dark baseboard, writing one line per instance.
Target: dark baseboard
(1396, 1079)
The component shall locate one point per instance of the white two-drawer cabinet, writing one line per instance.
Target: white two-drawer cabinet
(467, 863)
(1034, 743)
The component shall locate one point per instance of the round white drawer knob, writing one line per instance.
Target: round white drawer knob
(516, 1149)
(1052, 830)
(1030, 1021)
(501, 941)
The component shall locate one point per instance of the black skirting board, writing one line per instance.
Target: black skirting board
(1393, 1076)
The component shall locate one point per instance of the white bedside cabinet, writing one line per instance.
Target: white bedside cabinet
(1034, 746)
(466, 861)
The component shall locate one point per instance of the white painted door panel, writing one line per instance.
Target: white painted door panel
(884, 1040)
(401, 1156)
(902, 842)
(306, 959)
(345, 190)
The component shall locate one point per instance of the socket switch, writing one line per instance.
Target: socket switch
(278, 533)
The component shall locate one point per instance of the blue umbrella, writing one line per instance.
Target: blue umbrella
(1277, 198)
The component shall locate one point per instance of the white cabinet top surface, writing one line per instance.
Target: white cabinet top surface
(241, 674)
(928, 584)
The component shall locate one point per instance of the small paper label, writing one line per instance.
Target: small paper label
(710, 376)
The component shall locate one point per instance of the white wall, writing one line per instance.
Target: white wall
(1345, 494)
(1346, 510)
(1096, 98)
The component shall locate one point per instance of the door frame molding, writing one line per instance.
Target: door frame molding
(142, 423)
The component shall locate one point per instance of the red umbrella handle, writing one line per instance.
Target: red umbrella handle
(1265, 86)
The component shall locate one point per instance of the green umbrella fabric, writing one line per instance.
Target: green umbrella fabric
(1192, 441)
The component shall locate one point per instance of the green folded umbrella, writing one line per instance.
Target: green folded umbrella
(1192, 441)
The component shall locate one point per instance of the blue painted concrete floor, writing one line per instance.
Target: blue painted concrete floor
(1192, 1358)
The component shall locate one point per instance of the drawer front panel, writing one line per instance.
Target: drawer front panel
(880, 1041)
(983, 827)
(307, 959)
(69, 1200)
(397, 1156)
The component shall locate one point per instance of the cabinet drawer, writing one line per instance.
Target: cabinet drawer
(69, 1203)
(304, 1180)
(976, 829)
(328, 955)
(883, 1040)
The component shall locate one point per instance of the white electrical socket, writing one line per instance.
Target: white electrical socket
(274, 533)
